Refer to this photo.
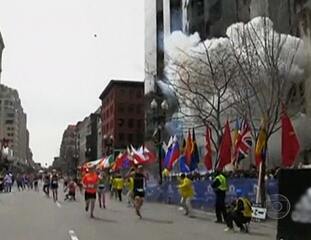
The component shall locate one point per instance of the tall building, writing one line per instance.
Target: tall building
(13, 123)
(99, 134)
(93, 139)
(122, 114)
(83, 130)
(68, 154)
(210, 18)
(1, 50)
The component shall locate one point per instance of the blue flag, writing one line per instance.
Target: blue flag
(195, 159)
(183, 167)
(167, 157)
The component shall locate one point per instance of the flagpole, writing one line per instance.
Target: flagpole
(258, 184)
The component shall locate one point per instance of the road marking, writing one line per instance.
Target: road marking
(72, 235)
(58, 204)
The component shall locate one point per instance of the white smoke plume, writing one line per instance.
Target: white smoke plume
(302, 210)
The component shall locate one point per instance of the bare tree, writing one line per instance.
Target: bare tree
(268, 67)
(201, 77)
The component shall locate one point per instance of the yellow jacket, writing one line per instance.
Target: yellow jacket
(130, 184)
(186, 188)
(118, 183)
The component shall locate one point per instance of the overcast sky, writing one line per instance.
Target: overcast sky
(57, 64)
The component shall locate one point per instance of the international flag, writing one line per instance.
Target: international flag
(235, 131)
(120, 162)
(188, 149)
(290, 142)
(175, 154)
(224, 155)
(168, 153)
(150, 157)
(106, 162)
(183, 167)
(208, 149)
(195, 159)
(138, 156)
(243, 142)
(261, 144)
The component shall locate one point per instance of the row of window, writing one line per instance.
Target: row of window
(108, 126)
(131, 108)
(130, 137)
(108, 112)
(131, 123)
(125, 93)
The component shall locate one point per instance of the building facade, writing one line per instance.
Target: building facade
(13, 124)
(92, 139)
(122, 114)
(83, 130)
(68, 156)
(1, 50)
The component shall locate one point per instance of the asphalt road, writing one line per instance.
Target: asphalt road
(31, 216)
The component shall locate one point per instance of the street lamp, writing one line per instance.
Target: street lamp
(159, 119)
(76, 163)
(108, 144)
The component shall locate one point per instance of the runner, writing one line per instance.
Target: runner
(139, 189)
(130, 190)
(90, 181)
(101, 190)
(35, 182)
(54, 185)
(71, 186)
(46, 184)
(119, 183)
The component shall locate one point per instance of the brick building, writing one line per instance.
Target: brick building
(122, 114)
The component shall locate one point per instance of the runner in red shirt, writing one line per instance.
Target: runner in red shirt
(90, 181)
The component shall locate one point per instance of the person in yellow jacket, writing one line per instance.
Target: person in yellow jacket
(119, 184)
(186, 191)
(130, 190)
(241, 213)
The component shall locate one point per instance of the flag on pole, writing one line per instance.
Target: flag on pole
(290, 142)
(208, 154)
(168, 153)
(175, 154)
(183, 167)
(261, 144)
(195, 159)
(138, 156)
(188, 149)
(224, 156)
(243, 142)
(150, 157)
(235, 132)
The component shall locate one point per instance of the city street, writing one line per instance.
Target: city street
(31, 216)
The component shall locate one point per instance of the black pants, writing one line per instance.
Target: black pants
(46, 189)
(221, 212)
(238, 218)
(120, 194)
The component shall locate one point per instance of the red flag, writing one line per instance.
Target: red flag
(224, 156)
(188, 149)
(208, 155)
(290, 143)
(118, 164)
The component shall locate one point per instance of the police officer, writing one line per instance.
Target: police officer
(220, 186)
(241, 212)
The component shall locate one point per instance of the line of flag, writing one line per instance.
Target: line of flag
(233, 148)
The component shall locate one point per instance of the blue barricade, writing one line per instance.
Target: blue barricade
(204, 194)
